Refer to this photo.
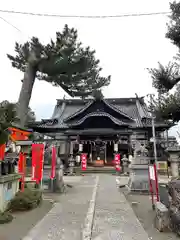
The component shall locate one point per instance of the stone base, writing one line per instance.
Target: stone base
(162, 217)
(57, 184)
(139, 179)
(9, 186)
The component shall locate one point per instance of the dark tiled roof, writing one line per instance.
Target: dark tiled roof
(45, 123)
(103, 114)
(132, 108)
(79, 110)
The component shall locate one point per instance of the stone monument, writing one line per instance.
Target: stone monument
(139, 175)
(174, 159)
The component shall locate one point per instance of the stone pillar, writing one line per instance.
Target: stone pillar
(174, 152)
(139, 175)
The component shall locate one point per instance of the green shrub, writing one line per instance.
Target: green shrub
(26, 200)
(5, 217)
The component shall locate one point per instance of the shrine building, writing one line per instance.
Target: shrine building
(99, 127)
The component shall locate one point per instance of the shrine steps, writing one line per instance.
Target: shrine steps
(91, 170)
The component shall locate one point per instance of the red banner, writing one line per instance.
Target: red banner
(37, 162)
(2, 151)
(83, 161)
(53, 163)
(117, 161)
(21, 169)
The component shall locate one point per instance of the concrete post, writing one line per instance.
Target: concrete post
(175, 168)
(174, 152)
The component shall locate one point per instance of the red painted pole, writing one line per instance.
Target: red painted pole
(21, 169)
(151, 189)
(53, 163)
(23, 173)
(156, 182)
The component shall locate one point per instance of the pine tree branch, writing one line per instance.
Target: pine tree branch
(63, 62)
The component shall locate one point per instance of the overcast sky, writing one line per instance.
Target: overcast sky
(125, 46)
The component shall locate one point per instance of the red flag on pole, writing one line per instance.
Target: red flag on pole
(53, 163)
(21, 169)
(2, 151)
(37, 162)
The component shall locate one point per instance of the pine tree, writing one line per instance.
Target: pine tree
(165, 78)
(63, 62)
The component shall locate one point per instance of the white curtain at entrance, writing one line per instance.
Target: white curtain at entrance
(80, 147)
(115, 147)
(105, 153)
(71, 147)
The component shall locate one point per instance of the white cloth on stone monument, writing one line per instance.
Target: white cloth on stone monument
(130, 160)
(125, 162)
(78, 159)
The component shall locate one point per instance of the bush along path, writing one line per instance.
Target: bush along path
(23, 201)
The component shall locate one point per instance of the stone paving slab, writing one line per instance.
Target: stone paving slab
(114, 218)
(66, 219)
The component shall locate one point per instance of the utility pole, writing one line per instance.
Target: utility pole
(153, 127)
(155, 149)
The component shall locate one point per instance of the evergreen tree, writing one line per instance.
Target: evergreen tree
(97, 95)
(164, 78)
(63, 62)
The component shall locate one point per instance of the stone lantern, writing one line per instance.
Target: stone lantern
(174, 152)
(25, 146)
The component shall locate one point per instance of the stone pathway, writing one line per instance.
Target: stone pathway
(114, 218)
(93, 209)
(65, 221)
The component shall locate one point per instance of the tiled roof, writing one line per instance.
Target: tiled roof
(103, 114)
(133, 109)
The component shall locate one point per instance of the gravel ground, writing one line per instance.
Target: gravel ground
(143, 210)
(23, 222)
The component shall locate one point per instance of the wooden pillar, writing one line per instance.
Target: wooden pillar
(67, 152)
(91, 153)
(71, 147)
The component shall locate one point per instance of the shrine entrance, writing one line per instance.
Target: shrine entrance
(99, 154)
(100, 150)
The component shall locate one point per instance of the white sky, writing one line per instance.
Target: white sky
(125, 46)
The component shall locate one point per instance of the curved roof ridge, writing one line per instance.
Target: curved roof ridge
(80, 110)
(92, 114)
(117, 110)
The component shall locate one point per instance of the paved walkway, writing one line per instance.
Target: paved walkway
(114, 218)
(93, 209)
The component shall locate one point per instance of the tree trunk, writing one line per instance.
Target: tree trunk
(25, 93)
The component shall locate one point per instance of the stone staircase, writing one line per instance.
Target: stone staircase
(91, 170)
